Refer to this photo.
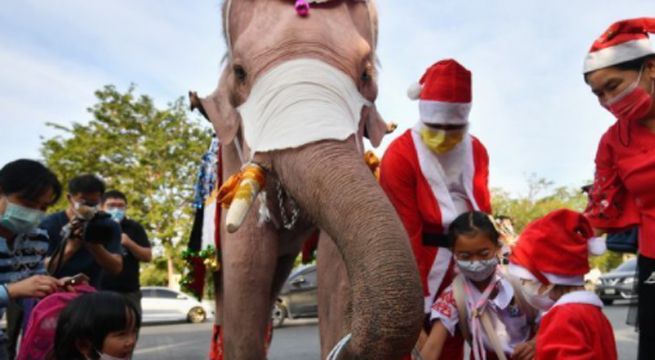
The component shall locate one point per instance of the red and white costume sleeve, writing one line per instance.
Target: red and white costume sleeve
(576, 329)
(416, 183)
(622, 195)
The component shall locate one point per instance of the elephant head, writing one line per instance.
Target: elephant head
(315, 69)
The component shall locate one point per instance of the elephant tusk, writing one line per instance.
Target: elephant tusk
(373, 163)
(239, 193)
(391, 127)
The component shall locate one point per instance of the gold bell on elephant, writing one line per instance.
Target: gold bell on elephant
(238, 194)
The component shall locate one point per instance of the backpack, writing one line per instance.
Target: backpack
(460, 301)
(39, 336)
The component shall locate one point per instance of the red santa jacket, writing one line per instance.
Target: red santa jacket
(411, 177)
(576, 329)
(622, 195)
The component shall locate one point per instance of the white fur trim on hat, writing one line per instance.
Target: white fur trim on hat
(444, 113)
(414, 91)
(597, 245)
(629, 50)
(523, 273)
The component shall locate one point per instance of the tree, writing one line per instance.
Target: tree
(541, 199)
(150, 154)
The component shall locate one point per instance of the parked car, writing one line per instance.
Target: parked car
(163, 304)
(298, 298)
(618, 284)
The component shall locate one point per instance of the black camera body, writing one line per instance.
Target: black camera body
(100, 229)
(97, 227)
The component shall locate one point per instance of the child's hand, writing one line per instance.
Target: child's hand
(35, 286)
(525, 351)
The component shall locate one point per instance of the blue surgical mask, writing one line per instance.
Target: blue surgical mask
(117, 214)
(20, 219)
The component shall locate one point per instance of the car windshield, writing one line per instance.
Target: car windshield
(628, 266)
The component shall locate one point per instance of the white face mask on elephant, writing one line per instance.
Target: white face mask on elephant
(300, 102)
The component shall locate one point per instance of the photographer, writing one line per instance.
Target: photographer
(83, 239)
(135, 249)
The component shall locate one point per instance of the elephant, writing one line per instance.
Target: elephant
(314, 175)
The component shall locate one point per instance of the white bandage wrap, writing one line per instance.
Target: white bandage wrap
(300, 102)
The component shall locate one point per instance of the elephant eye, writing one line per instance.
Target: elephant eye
(367, 73)
(240, 73)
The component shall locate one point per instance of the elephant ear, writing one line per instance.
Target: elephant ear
(219, 111)
(375, 127)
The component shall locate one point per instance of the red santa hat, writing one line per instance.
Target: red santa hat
(555, 249)
(444, 94)
(624, 41)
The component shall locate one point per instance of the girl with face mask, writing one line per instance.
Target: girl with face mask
(27, 189)
(620, 70)
(97, 326)
(551, 258)
(480, 288)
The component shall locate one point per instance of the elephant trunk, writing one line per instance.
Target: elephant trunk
(331, 183)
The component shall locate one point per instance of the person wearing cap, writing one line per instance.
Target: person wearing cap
(434, 172)
(620, 69)
(551, 258)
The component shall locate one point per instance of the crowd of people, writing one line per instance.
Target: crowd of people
(436, 176)
(92, 243)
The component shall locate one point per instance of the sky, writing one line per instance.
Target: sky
(531, 107)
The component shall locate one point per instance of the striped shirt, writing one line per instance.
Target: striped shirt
(24, 259)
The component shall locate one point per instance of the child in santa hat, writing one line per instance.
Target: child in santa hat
(551, 259)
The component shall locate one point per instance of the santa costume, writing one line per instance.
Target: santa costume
(429, 190)
(554, 250)
(622, 195)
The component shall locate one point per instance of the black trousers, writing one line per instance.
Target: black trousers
(646, 314)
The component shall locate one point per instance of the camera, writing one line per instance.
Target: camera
(97, 226)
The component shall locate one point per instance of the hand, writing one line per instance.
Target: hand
(35, 286)
(126, 240)
(70, 281)
(525, 351)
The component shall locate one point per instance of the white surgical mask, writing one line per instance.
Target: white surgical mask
(542, 301)
(299, 102)
(104, 356)
(85, 212)
(478, 270)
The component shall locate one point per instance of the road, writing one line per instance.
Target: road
(298, 340)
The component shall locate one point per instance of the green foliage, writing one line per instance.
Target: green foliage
(608, 261)
(155, 273)
(541, 199)
(150, 154)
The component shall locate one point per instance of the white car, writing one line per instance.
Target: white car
(163, 304)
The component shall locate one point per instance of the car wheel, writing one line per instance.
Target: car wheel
(278, 315)
(196, 315)
(607, 301)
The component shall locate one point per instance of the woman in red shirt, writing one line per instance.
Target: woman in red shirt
(620, 69)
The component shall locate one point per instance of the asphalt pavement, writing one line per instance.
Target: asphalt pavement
(298, 339)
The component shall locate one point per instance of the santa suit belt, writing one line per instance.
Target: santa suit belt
(436, 240)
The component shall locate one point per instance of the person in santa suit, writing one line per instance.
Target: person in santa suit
(434, 172)
(551, 258)
(620, 69)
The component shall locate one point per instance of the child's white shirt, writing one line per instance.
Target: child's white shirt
(510, 323)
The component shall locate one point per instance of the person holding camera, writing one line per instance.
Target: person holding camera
(135, 248)
(82, 238)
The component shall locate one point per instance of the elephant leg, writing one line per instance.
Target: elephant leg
(249, 263)
(334, 298)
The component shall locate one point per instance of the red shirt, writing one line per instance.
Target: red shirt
(623, 192)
